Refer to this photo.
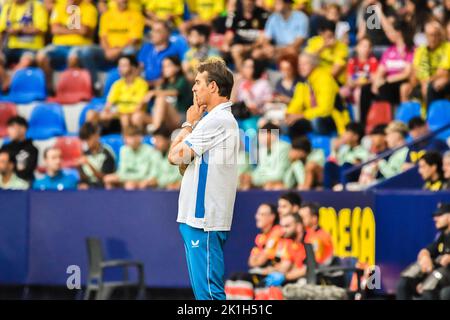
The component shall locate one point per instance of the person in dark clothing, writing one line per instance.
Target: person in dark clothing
(429, 277)
(418, 128)
(21, 148)
(370, 24)
(243, 29)
(430, 169)
(97, 160)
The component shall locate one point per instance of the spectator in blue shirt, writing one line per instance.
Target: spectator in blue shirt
(55, 178)
(152, 54)
(285, 30)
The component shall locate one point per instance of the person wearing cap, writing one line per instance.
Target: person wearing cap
(429, 276)
(21, 148)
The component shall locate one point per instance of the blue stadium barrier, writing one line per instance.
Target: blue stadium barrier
(43, 233)
(14, 236)
(434, 133)
(410, 179)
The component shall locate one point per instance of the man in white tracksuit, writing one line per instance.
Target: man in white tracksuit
(206, 150)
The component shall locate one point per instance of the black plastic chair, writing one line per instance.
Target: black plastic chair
(96, 284)
(314, 272)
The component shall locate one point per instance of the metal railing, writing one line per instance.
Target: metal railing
(387, 153)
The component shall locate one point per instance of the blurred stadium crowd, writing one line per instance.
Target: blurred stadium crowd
(333, 83)
(294, 258)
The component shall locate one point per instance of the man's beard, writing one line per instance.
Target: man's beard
(292, 236)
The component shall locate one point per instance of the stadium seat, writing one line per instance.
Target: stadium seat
(72, 172)
(115, 141)
(321, 142)
(148, 140)
(7, 110)
(96, 105)
(102, 289)
(285, 138)
(439, 116)
(27, 85)
(111, 77)
(74, 86)
(71, 150)
(380, 113)
(46, 121)
(407, 110)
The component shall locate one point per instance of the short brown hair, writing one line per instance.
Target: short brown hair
(131, 131)
(87, 130)
(219, 73)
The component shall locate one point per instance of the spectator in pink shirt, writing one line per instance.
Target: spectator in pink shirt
(252, 91)
(391, 82)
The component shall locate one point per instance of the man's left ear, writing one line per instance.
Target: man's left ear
(212, 86)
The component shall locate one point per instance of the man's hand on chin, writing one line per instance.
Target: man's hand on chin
(182, 168)
(195, 112)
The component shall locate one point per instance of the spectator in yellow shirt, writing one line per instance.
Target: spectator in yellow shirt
(166, 10)
(202, 12)
(126, 95)
(207, 10)
(105, 5)
(432, 64)
(72, 24)
(23, 24)
(301, 5)
(313, 104)
(121, 32)
(332, 52)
